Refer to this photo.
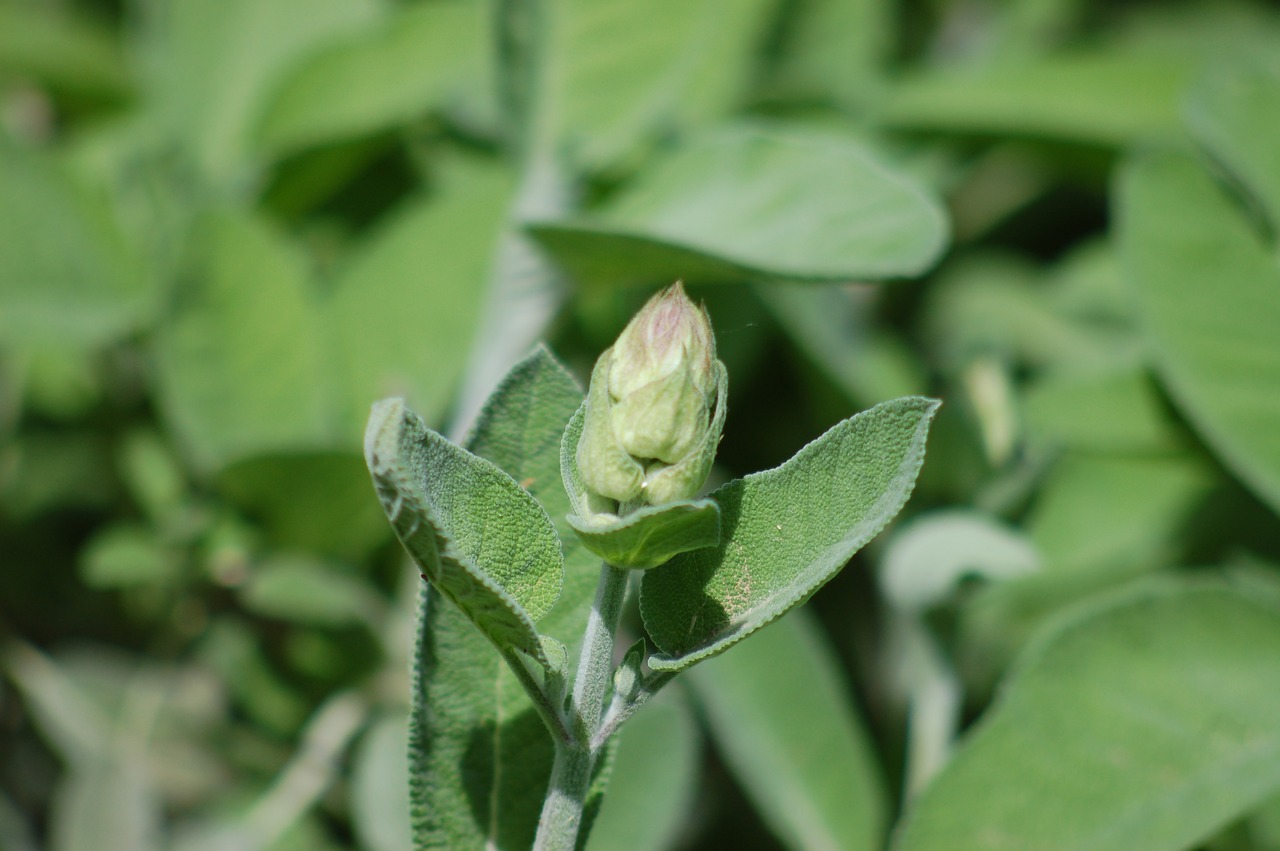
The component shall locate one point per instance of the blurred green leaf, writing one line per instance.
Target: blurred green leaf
(1102, 98)
(780, 712)
(1113, 409)
(653, 783)
(380, 785)
(67, 275)
(403, 309)
(926, 560)
(835, 50)
(401, 67)
(786, 532)
(239, 365)
(213, 65)
(304, 591)
(1100, 511)
(66, 51)
(750, 203)
(1208, 293)
(605, 80)
(107, 805)
(315, 501)
(1234, 113)
(126, 555)
(1145, 722)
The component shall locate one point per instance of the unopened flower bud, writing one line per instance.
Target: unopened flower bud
(655, 407)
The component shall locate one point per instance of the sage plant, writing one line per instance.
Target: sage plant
(505, 532)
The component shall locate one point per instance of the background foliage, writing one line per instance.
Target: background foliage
(228, 226)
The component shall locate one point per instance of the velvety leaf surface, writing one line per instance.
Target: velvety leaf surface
(480, 756)
(477, 536)
(1208, 292)
(1144, 723)
(785, 532)
(715, 200)
(781, 713)
(382, 76)
(1234, 113)
(651, 536)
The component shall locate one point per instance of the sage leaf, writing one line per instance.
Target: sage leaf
(1143, 723)
(478, 537)
(708, 210)
(479, 756)
(786, 532)
(1208, 294)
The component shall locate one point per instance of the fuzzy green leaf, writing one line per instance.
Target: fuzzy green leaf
(709, 210)
(652, 535)
(1208, 293)
(786, 532)
(478, 537)
(1145, 724)
(479, 755)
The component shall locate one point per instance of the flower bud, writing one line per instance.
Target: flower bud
(655, 408)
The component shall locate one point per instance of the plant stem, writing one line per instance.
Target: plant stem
(561, 819)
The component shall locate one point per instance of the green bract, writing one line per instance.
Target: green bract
(656, 406)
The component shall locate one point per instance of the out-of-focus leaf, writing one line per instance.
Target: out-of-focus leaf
(314, 501)
(1144, 723)
(926, 560)
(786, 532)
(479, 755)
(15, 833)
(1099, 511)
(106, 805)
(63, 470)
(835, 49)
(831, 326)
(152, 474)
(1102, 98)
(67, 274)
(653, 782)
(123, 556)
(215, 63)
(403, 310)
(380, 786)
(478, 538)
(67, 52)
(749, 203)
(1235, 113)
(1114, 409)
(383, 76)
(1208, 292)
(239, 363)
(780, 712)
(303, 591)
(231, 649)
(607, 80)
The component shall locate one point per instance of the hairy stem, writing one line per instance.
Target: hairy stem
(575, 761)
